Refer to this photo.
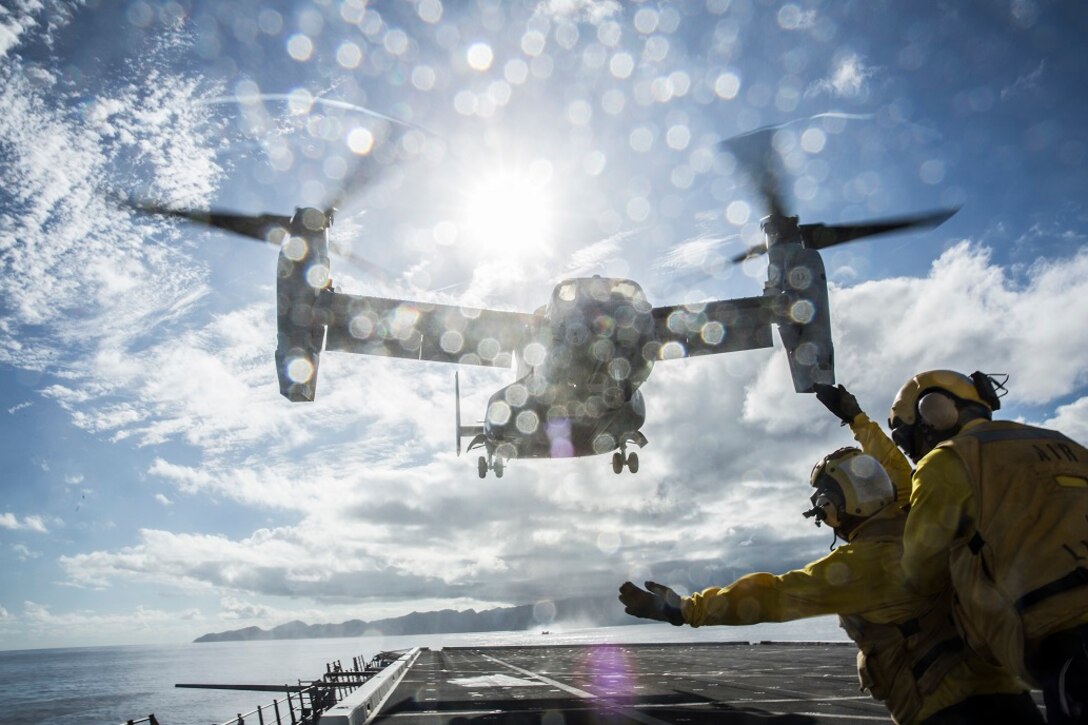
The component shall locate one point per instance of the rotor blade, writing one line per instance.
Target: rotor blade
(355, 181)
(363, 265)
(753, 251)
(757, 157)
(255, 227)
(821, 236)
(363, 172)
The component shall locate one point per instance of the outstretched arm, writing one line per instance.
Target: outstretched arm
(870, 436)
(846, 581)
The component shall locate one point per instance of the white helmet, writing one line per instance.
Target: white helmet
(850, 485)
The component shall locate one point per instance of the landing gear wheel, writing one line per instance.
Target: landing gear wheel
(617, 462)
(498, 468)
(632, 462)
(481, 467)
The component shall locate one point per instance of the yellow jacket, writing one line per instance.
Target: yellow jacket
(993, 559)
(862, 578)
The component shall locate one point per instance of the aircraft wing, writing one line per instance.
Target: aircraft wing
(426, 330)
(708, 328)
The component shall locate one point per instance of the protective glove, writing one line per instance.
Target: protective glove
(659, 603)
(839, 401)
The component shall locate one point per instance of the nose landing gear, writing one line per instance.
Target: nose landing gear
(490, 463)
(631, 461)
(622, 458)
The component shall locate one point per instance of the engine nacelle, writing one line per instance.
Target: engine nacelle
(302, 279)
(798, 284)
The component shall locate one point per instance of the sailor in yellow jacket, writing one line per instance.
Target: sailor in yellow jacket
(1000, 510)
(910, 653)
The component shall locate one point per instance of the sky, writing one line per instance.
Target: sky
(156, 486)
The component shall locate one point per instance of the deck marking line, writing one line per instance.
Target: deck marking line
(743, 703)
(626, 712)
(843, 717)
(812, 699)
(554, 683)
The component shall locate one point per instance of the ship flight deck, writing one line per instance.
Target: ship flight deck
(781, 683)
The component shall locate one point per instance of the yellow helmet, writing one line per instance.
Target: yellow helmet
(905, 408)
(849, 484)
(919, 420)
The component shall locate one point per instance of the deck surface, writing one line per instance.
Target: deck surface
(647, 683)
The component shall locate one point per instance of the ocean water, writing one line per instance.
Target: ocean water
(114, 684)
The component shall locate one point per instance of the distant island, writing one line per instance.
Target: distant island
(584, 612)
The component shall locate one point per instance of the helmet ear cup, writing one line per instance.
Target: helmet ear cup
(938, 411)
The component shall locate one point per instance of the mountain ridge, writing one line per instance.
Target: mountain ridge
(587, 611)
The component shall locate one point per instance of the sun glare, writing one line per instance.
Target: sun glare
(509, 216)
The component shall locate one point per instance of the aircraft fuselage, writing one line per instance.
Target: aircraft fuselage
(577, 392)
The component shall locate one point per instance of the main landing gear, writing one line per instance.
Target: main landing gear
(619, 461)
(490, 463)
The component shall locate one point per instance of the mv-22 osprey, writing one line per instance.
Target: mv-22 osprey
(580, 358)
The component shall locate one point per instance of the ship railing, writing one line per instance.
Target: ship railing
(303, 703)
(311, 700)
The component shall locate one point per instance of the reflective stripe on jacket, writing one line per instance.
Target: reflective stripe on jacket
(1020, 568)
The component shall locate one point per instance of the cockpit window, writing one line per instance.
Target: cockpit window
(629, 290)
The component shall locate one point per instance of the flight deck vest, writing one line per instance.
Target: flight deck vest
(1021, 573)
(901, 663)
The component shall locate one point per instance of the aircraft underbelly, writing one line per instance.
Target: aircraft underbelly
(574, 435)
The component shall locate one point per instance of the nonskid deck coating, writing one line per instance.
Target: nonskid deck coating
(782, 683)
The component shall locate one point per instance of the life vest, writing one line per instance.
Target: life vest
(1021, 573)
(901, 663)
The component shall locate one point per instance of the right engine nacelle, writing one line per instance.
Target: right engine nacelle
(302, 278)
(799, 286)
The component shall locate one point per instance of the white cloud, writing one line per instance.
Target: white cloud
(15, 21)
(24, 553)
(590, 11)
(21, 406)
(163, 500)
(1072, 420)
(62, 233)
(1027, 82)
(966, 314)
(596, 257)
(234, 608)
(849, 78)
(4, 613)
(29, 523)
(40, 619)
